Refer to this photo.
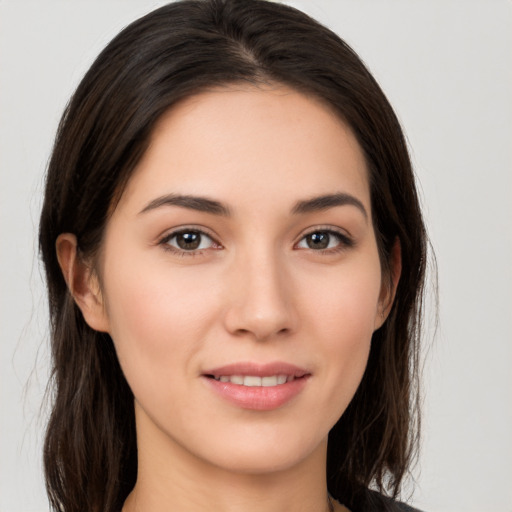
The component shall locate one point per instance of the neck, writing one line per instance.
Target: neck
(171, 478)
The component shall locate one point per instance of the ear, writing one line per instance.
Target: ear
(389, 286)
(82, 282)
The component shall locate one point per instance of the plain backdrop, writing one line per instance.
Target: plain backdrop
(446, 67)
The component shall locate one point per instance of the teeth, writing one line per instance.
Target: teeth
(255, 381)
(269, 381)
(281, 379)
(252, 381)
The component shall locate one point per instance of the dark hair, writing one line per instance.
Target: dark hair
(90, 452)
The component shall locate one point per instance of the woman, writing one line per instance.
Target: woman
(235, 258)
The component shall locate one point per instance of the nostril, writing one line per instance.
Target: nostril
(260, 320)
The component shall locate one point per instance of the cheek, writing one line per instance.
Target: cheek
(345, 301)
(156, 321)
(341, 314)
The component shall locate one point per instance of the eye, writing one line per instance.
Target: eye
(188, 240)
(322, 240)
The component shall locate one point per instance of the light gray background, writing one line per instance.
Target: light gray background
(446, 67)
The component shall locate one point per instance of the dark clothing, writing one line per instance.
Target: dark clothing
(375, 502)
(385, 504)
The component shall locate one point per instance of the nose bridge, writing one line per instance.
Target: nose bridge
(261, 301)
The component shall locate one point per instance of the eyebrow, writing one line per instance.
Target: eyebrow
(325, 202)
(202, 204)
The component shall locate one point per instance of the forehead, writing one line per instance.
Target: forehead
(240, 143)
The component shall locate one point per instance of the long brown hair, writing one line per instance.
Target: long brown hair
(90, 452)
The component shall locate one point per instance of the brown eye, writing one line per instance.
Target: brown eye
(324, 240)
(188, 241)
(318, 240)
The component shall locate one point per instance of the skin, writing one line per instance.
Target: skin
(254, 291)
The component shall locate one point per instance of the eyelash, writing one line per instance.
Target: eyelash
(164, 242)
(344, 241)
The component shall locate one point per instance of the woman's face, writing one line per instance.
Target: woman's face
(241, 281)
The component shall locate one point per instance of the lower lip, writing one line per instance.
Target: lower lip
(258, 398)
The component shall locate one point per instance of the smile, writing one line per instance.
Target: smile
(256, 386)
(254, 380)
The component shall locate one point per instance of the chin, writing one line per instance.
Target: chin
(257, 456)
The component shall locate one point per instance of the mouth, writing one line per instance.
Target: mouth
(252, 374)
(255, 380)
(257, 386)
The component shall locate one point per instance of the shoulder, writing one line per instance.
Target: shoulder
(375, 502)
(382, 503)
(402, 507)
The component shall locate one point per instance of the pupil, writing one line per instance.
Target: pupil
(188, 241)
(318, 240)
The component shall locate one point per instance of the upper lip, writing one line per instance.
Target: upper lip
(258, 369)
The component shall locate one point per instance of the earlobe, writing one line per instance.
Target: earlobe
(82, 282)
(389, 286)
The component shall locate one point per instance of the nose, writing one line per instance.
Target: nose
(261, 301)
